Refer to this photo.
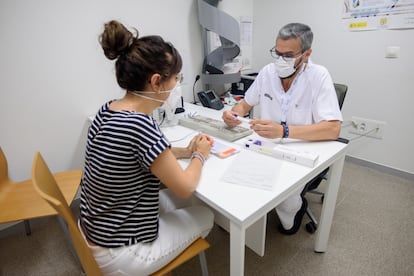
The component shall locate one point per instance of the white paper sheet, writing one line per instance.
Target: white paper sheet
(248, 169)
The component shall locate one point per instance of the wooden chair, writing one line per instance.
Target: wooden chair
(45, 184)
(19, 201)
(196, 248)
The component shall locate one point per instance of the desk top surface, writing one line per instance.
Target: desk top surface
(243, 204)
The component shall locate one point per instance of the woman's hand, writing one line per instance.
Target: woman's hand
(203, 144)
(191, 146)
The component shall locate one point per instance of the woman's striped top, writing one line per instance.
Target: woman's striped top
(119, 194)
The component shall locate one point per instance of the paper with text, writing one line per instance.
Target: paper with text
(250, 169)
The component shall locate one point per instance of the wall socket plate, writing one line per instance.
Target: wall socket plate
(367, 127)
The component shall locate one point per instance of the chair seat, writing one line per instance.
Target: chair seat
(20, 201)
(194, 249)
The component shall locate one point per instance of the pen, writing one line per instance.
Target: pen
(244, 120)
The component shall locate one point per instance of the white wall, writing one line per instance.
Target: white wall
(379, 88)
(54, 74)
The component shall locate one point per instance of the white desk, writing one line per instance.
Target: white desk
(242, 210)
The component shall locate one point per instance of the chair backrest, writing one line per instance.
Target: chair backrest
(4, 174)
(341, 90)
(46, 186)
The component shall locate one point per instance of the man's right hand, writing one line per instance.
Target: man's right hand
(230, 118)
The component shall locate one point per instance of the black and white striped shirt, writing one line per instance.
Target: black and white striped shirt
(119, 194)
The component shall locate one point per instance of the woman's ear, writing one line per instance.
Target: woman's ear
(155, 82)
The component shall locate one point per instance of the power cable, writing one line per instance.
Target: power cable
(194, 97)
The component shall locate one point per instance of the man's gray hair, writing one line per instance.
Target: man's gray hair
(297, 30)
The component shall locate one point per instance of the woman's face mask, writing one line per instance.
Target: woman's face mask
(168, 104)
(171, 102)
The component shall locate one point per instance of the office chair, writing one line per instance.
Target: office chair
(45, 185)
(19, 201)
(311, 186)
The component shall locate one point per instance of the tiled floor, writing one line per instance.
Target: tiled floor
(372, 234)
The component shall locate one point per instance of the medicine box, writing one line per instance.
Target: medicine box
(279, 151)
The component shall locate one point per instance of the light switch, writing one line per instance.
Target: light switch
(392, 52)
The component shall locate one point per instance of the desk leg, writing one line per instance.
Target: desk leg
(328, 207)
(256, 236)
(237, 240)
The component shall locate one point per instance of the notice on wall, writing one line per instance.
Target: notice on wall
(246, 30)
(246, 42)
(365, 15)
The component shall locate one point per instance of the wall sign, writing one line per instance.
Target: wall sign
(364, 15)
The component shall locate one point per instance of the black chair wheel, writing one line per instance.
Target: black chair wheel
(311, 227)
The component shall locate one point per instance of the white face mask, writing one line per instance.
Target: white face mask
(169, 104)
(286, 69)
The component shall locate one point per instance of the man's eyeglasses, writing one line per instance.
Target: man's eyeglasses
(286, 56)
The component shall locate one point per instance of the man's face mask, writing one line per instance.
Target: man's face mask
(285, 67)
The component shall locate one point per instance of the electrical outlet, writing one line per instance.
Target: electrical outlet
(367, 127)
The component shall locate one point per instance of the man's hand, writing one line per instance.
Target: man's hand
(230, 118)
(267, 128)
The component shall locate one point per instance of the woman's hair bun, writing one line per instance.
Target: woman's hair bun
(116, 39)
